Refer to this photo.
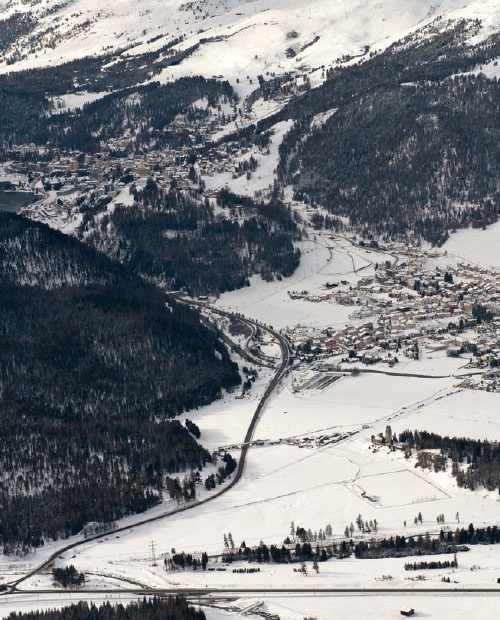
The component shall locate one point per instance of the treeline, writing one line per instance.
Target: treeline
(193, 428)
(262, 554)
(273, 209)
(171, 608)
(471, 535)
(474, 462)
(175, 238)
(68, 576)
(300, 552)
(107, 72)
(183, 561)
(223, 472)
(447, 542)
(401, 546)
(34, 254)
(431, 565)
(185, 490)
(90, 375)
(416, 58)
(13, 27)
(420, 157)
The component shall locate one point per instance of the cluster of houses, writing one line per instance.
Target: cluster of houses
(65, 180)
(406, 310)
(403, 309)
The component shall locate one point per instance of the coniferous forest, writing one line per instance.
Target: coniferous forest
(94, 363)
(176, 239)
(474, 463)
(172, 608)
(411, 145)
(142, 111)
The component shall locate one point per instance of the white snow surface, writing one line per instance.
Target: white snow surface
(476, 245)
(312, 486)
(74, 101)
(324, 258)
(263, 177)
(251, 36)
(294, 477)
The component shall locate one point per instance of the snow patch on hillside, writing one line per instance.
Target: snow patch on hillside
(476, 245)
(74, 101)
(238, 38)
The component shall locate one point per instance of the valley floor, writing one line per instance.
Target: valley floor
(316, 465)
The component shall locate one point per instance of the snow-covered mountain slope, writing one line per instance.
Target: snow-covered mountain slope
(238, 37)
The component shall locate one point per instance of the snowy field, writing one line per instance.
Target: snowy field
(399, 488)
(355, 607)
(469, 413)
(250, 38)
(312, 486)
(445, 606)
(476, 245)
(324, 259)
(479, 567)
(316, 465)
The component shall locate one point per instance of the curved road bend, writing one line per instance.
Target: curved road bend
(280, 372)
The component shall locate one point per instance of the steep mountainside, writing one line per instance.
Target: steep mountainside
(141, 115)
(230, 33)
(396, 127)
(36, 255)
(177, 239)
(90, 373)
(408, 125)
(410, 144)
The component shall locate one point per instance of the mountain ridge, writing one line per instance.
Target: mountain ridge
(237, 37)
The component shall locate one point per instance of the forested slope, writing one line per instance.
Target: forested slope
(177, 239)
(411, 145)
(90, 374)
(140, 113)
(172, 608)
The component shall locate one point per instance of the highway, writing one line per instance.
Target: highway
(238, 592)
(213, 595)
(278, 375)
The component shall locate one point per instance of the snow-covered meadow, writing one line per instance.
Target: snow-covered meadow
(476, 245)
(246, 38)
(313, 486)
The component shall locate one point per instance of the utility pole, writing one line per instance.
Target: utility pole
(153, 554)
